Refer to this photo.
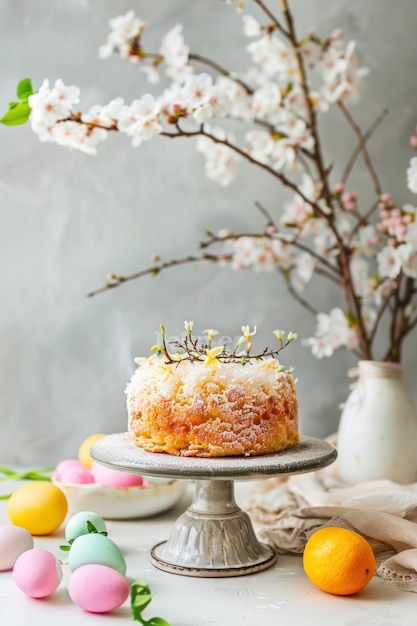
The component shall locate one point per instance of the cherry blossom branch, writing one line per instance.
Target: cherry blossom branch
(363, 147)
(363, 219)
(359, 148)
(281, 177)
(399, 324)
(312, 119)
(294, 294)
(117, 280)
(266, 214)
(343, 258)
(333, 275)
(379, 317)
(411, 326)
(272, 17)
(220, 70)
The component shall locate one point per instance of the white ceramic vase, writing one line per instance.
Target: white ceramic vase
(377, 435)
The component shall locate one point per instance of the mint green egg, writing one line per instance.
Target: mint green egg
(98, 549)
(77, 524)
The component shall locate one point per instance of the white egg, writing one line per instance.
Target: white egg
(13, 542)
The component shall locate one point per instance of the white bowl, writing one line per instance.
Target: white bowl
(122, 502)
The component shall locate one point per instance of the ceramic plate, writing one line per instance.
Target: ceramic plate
(122, 502)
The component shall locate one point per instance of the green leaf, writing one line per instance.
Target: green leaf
(157, 621)
(7, 471)
(36, 475)
(142, 601)
(17, 115)
(24, 89)
(41, 474)
(140, 597)
(91, 528)
(65, 548)
(6, 496)
(13, 105)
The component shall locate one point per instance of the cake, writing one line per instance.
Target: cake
(212, 408)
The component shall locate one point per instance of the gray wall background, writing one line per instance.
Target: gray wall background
(67, 218)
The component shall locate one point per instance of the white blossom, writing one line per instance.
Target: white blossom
(260, 254)
(123, 29)
(266, 101)
(273, 56)
(52, 104)
(174, 51)
(408, 259)
(77, 136)
(207, 100)
(359, 268)
(341, 75)
(261, 145)
(175, 102)
(140, 120)
(411, 235)
(320, 346)
(303, 271)
(412, 175)
(284, 155)
(251, 26)
(239, 101)
(332, 331)
(389, 262)
(221, 162)
(151, 73)
(365, 240)
(104, 115)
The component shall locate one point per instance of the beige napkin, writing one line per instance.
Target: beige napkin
(285, 511)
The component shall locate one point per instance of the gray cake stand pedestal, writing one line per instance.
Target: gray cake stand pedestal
(214, 537)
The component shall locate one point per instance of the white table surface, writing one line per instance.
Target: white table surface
(280, 595)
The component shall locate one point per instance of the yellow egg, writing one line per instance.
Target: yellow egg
(38, 506)
(84, 455)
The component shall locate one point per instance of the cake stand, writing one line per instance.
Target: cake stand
(214, 537)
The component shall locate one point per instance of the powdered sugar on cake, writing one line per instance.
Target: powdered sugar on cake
(186, 408)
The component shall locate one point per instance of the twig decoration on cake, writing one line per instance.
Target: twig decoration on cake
(191, 349)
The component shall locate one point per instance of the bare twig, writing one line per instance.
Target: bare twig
(312, 120)
(272, 17)
(266, 214)
(363, 147)
(220, 70)
(156, 269)
(357, 151)
(304, 303)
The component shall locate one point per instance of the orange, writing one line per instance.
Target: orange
(84, 455)
(338, 561)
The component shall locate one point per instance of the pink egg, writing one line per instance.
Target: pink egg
(76, 475)
(37, 573)
(64, 465)
(114, 478)
(98, 588)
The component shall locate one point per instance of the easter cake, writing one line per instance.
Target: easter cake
(211, 402)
